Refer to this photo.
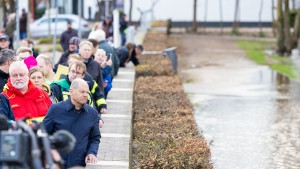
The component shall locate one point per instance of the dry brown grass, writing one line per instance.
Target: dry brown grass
(165, 134)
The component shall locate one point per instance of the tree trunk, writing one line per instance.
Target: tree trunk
(259, 15)
(287, 32)
(235, 28)
(194, 26)
(12, 7)
(205, 15)
(273, 20)
(130, 12)
(221, 16)
(295, 35)
(1, 13)
(280, 32)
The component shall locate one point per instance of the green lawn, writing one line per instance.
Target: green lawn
(283, 65)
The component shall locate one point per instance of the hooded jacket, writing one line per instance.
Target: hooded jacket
(33, 104)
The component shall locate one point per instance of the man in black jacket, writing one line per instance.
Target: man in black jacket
(67, 35)
(77, 117)
(23, 25)
(93, 67)
(7, 57)
(72, 48)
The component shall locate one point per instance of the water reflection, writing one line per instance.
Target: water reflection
(260, 130)
(285, 129)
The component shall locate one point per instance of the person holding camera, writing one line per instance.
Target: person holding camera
(80, 119)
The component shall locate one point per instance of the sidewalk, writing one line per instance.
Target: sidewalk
(114, 149)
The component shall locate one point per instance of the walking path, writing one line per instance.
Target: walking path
(114, 149)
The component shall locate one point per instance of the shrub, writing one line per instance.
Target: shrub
(165, 133)
(57, 48)
(48, 40)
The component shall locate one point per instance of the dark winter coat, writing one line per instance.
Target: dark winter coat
(23, 22)
(94, 69)
(112, 52)
(5, 108)
(123, 55)
(3, 79)
(64, 58)
(83, 124)
(65, 38)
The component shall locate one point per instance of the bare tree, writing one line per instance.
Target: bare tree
(295, 35)
(194, 26)
(98, 14)
(287, 32)
(260, 14)
(1, 12)
(205, 15)
(280, 32)
(130, 11)
(143, 18)
(273, 19)
(235, 28)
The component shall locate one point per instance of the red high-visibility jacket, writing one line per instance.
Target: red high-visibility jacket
(33, 104)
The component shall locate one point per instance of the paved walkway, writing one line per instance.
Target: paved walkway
(114, 147)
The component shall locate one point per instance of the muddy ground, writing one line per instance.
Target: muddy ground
(202, 54)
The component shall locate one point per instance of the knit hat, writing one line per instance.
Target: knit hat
(30, 62)
(4, 37)
(75, 41)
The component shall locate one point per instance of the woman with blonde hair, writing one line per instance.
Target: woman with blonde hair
(36, 75)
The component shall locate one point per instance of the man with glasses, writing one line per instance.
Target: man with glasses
(27, 100)
(61, 88)
(7, 57)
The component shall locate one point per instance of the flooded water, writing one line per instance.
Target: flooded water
(251, 121)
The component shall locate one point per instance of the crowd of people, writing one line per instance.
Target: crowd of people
(34, 89)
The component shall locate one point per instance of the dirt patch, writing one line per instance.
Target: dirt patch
(202, 54)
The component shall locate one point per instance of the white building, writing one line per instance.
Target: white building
(178, 10)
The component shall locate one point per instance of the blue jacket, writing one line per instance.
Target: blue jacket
(83, 124)
(5, 108)
(109, 85)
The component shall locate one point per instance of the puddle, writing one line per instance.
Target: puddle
(251, 118)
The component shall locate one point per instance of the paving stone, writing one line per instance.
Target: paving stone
(114, 146)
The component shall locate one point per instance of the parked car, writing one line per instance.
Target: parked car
(39, 28)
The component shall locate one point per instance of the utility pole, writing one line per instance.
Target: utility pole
(55, 33)
(17, 24)
(106, 8)
(79, 13)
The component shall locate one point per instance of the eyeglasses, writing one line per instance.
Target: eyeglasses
(21, 75)
(86, 50)
(77, 73)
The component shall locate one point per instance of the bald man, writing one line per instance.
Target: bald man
(82, 120)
